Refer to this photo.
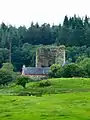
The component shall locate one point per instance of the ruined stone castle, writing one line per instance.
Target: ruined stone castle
(45, 57)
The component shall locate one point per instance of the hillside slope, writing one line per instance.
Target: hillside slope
(57, 85)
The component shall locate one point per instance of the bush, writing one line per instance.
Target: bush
(73, 70)
(22, 80)
(70, 70)
(44, 83)
(8, 66)
(85, 64)
(5, 77)
(55, 71)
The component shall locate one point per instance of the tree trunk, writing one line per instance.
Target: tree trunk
(10, 47)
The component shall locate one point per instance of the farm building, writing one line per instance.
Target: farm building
(45, 57)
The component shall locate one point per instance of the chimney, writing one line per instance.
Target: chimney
(23, 68)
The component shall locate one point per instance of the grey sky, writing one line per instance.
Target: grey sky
(23, 12)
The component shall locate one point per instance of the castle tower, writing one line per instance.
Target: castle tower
(48, 55)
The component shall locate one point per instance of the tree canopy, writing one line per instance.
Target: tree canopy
(18, 45)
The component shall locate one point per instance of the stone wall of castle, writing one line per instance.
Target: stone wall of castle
(46, 56)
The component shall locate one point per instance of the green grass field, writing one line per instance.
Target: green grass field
(69, 106)
(60, 85)
(64, 99)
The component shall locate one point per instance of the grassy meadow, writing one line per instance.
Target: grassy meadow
(58, 85)
(64, 99)
(69, 106)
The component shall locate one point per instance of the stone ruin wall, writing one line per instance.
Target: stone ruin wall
(60, 55)
(46, 56)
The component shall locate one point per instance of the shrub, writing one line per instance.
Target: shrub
(22, 80)
(5, 77)
(81, 58)
(55, 71)
(44, 83)
(85, 64)
(8, 66)
(73, 70)
(24, 93)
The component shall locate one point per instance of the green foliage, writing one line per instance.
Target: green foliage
(85, 64)
(24, 93)
(4, 53)
(6, 73)
(44, 83)
(8, 66)
(5, 77)
(68, 70)
(10, 69)
(22, 80)
(77, 53)
(55, 71)
(80, 58)
(73, 70)
(24, 55)
(18, 45)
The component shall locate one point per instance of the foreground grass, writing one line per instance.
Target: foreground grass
(60, 85)
(69, 106)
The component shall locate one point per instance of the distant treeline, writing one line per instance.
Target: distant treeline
(18, 45)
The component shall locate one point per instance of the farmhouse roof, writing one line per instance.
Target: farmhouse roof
(36, 71)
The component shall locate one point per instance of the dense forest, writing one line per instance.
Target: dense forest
(18, 45)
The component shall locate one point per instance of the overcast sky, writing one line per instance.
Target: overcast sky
(23, 12)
